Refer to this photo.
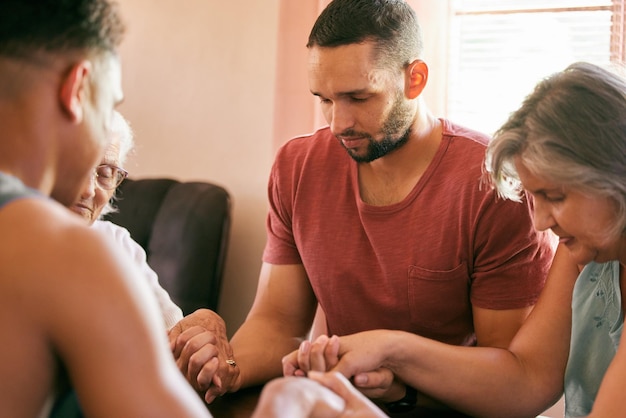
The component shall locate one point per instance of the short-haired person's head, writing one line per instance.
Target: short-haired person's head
(391, 24)
(97, 196)
(571, 131)
(58, 58)
(365, 66)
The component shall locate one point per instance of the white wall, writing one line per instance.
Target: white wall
(199, 81)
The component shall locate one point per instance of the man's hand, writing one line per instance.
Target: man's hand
(201, 349)
(323, 355)
(320, 355)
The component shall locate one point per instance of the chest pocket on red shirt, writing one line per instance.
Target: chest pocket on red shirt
(439, 303)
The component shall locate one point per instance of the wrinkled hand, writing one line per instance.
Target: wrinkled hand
(324, 395)
(320, 355)
(201, 349)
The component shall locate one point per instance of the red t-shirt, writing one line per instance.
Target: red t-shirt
(418, 265)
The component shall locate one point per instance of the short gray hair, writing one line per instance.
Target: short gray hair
(570, 130)
(121, 127)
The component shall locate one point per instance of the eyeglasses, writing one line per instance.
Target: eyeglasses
(108, 176)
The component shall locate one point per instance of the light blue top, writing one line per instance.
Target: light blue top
(12, 188)
(597, 325)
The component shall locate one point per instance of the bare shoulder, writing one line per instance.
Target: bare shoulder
(32, 243)
(42, 243)
(33, 218)
(66, 295)
(61, 271)
(50, 262)
(58, 263)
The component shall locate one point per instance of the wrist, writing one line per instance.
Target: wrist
(393, 351)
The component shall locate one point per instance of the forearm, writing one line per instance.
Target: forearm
(259, 346)
(488, 382)
(280, 318)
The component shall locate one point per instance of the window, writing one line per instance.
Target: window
(501, 48)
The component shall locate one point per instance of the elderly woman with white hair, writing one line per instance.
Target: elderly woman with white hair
(95, 201)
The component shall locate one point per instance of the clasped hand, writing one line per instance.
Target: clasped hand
(201, 349)
(338, 354)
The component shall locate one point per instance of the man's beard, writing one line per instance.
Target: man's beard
(400, 118)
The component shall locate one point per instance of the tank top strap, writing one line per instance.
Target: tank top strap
(12, 188)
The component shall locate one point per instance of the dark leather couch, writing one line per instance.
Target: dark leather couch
(184, 228)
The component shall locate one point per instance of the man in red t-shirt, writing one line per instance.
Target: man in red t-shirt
(382, 217)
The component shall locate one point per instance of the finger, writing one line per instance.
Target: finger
(317, 360)
(197, 351)
(290, 363)
(345, 368)
(380, 384)
(217, 381)
(173, 334)
(212, 393)
(176, 341)
(180, 354)
(206, 377)
(331, 353)
(184, 337)
(381, 378)
(303, 355)
(203, 366)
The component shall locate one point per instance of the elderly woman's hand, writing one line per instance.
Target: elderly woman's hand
(200, 346)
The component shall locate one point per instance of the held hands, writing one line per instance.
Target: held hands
(322, 395)
(320, 355)
(355, 356)
(200, 346)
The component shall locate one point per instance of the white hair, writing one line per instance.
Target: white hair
(121, 128)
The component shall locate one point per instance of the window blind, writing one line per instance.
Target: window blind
(499, 49)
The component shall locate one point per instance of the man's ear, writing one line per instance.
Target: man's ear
(73, 90)
(417, 76)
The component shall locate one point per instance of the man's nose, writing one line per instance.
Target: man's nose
(341, 119)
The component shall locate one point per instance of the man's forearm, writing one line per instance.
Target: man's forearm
(258, 349)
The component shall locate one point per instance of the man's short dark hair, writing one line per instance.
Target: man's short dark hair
(31, 26)
(391, 24)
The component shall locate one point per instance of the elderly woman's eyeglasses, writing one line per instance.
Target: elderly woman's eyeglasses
(108, 176)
